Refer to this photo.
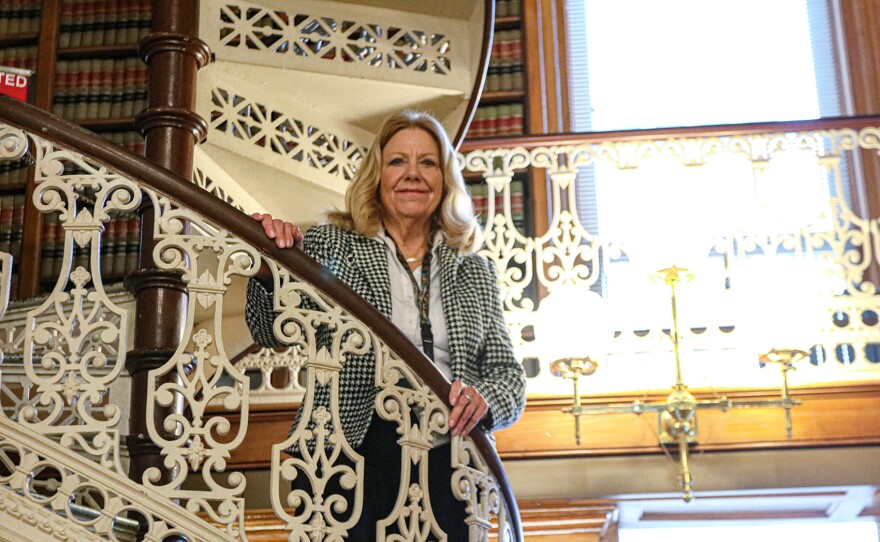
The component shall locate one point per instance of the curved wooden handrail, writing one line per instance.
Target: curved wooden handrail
(55, 129)
(658, 134)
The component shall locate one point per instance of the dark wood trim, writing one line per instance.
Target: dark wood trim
(860, 22)
(502, 96)
(18, 40)
(99, 51)
(508, 23)
(830, 416)
(116, 124)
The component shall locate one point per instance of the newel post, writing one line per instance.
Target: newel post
(171, 129)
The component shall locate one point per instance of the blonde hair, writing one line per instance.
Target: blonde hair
(454, 215)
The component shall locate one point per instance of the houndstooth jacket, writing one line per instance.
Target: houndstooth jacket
(481, 354)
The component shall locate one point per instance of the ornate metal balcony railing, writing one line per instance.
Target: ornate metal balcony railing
(766, 211)
(62, 422)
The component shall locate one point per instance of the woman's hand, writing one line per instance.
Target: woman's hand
(285, 234)
(468, 408)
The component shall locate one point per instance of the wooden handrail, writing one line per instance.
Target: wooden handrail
(67, 134)
(659, 134)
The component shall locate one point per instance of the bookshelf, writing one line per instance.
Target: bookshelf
(501, 111)
(86, 69)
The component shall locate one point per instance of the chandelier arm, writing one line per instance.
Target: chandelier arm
(623, 408)
(768, 403)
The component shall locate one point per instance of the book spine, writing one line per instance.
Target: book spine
(105, 91)
(141, 82)
(108, 240)
(128, 86)
(111, 24)
(4, 18)
(48, 249)
(517, 126)
(76, 22)
(119, 245)
(99, 9)
(144, 19)
(133, 27)
(81, 90)
(132, 248)
(516, 55)
(66, 24)
(18, 201)
(94, 87)
(6, 206)
(13, 15)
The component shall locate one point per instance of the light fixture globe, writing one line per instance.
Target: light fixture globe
(573, 322)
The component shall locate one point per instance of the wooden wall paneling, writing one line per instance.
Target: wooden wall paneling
(543, 521)
(860, 26)
(548, 110)
(830, 416)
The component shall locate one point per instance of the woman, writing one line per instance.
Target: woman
(406, 243)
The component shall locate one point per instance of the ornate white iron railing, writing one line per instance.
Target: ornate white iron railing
(75, 345)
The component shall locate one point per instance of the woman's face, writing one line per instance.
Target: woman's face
(411, 183)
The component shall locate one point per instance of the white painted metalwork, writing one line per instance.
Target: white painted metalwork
(346, 39)
(837, 238)
(64, 421)
(270, 362)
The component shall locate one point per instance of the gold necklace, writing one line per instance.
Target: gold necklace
(414, 260)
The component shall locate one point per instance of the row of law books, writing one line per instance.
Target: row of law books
(497, 121)
(508, 8)
(19, 57)
(100, 88)
(13, 173)
(11, 224)
(506, 62)
(19, 16)
(88, 23)
(118, 251)
(480, 197)
(131, 140)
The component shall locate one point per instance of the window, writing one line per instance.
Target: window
(639, 64)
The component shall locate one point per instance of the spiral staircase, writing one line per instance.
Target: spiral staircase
(291, 98)
(296, 91)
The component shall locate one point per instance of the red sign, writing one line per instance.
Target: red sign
(14, 82)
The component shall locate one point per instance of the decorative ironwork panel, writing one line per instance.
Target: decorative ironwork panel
(833, 246)
(326, 37)
(279, 135)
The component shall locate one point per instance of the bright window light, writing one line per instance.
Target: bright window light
(692, 62)
(861, 531)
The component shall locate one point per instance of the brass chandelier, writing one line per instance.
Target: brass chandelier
(677, 415)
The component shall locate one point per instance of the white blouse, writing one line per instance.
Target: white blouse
(404, 309)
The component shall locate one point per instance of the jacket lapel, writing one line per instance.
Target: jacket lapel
(370, 260)
(450, 261)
